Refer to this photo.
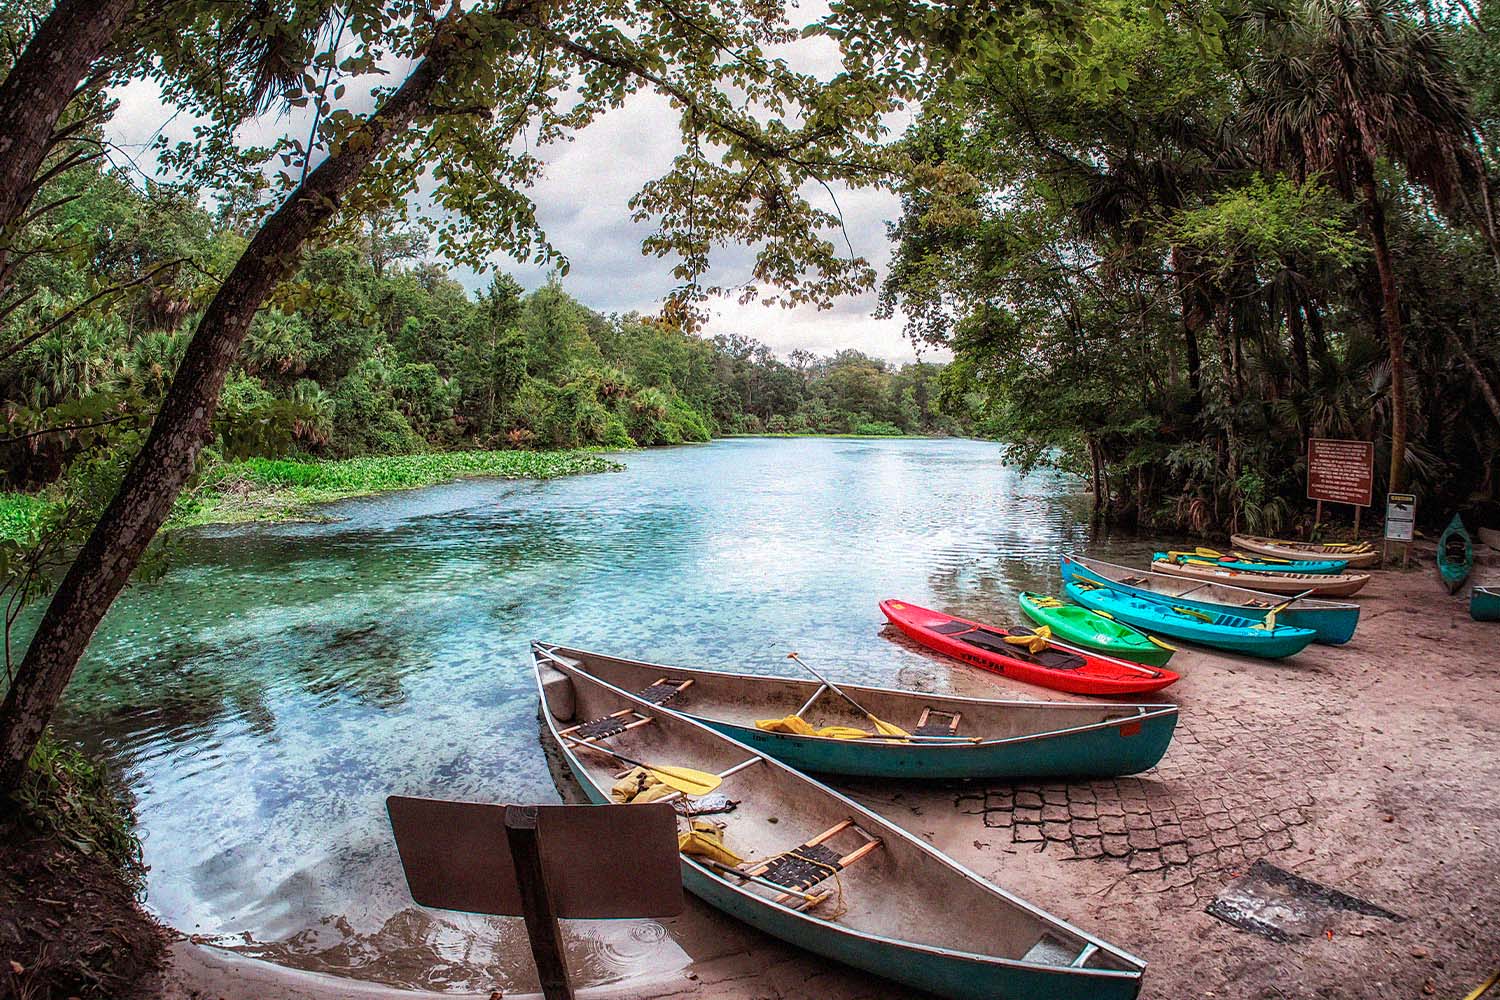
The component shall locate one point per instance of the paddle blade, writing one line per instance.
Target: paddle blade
(1209, 553)
(1034, 642)
(1157, 642)
(686, 780)
(889, 729)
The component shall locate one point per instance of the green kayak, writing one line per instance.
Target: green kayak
(1095, 630)
(1455, 555)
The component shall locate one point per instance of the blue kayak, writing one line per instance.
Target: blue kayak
(1333, 621)
(1244, 564)
(1232, 633)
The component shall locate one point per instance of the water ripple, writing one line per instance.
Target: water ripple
(266, 695)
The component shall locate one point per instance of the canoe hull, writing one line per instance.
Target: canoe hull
(1004, 739)
(934, 969)
(1454, 569)
(1113, 676)
(1275, 645)
(1305, 551)
(1484, 604)
(1334, 623)
(1341, 585)
(946, 975)
(1106, 752)
(1142, 651)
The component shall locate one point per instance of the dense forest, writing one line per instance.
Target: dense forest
(369, 350)
(1257, 224)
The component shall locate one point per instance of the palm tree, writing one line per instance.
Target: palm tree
(1340, 85)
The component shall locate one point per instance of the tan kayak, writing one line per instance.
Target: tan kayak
(1360, 555)
(1322, 584)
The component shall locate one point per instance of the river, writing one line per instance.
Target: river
(265, 695)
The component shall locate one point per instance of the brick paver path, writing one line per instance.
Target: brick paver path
(1234, 787)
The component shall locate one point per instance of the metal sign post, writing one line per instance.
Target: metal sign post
(542, 863)
(1400, 519)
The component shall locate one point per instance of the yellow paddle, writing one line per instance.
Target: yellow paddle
(687, 780)
(1270, 622)
(882, 727)
(1035, 642)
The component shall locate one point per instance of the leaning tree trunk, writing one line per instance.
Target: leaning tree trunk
(1390, 314)
(35, 93)
(157, 474)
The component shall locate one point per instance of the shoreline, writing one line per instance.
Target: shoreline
(1371, 790)
(279, 490)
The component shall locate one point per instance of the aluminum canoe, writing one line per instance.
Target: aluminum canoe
(903, 910)
(968, 737)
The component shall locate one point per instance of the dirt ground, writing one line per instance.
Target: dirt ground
(1372, 768)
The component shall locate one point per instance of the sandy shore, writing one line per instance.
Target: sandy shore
(1370, 767)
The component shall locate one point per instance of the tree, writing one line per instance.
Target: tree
(35, 94)
(1342, 85)
(484, 75)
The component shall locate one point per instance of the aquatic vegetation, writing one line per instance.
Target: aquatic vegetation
(262, 489)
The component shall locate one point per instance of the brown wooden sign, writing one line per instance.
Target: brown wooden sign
(1340, 471)
(599, 862)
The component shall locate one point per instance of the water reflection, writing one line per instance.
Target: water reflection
(267, 694)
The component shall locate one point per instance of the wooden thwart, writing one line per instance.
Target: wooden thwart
(927, 727)
(808, 864)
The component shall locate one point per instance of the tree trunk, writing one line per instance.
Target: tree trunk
(1195, 313)
(1299, 338)
(182, 426)
(1483, 383)
(1315, 327)
(1390, 310)
(37, 91)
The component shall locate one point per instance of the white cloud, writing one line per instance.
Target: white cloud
(582, 202)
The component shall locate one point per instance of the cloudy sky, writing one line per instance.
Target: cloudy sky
(582, 203)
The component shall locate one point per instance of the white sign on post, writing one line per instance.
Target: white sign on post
(1400, 515)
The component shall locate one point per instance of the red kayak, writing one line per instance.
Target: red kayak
(1065, 668)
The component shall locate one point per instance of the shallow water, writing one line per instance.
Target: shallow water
(266, 695)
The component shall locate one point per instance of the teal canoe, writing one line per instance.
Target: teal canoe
(1484, 604)
(1245, 564)
(965, 737)
(1333, 622)
(1088, 628)
(1228, 632)
(1455, 555)
(872, 896)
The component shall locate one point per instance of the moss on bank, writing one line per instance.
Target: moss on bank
(70, 872)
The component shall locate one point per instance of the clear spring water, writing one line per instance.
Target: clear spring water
(266, 695)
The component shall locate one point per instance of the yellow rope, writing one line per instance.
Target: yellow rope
(1483, 987)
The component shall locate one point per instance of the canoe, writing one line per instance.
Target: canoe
(1246, 564)
(1335, 585)
(890, 904)
(1333, 621)
(1484, 603)
(1229, 632)
(1455, 555)
(1088, 628)
(966, 737)
(1359, 555)
(1057, 666)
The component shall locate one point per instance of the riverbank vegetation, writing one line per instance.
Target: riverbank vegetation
(1278, 224)
(369, 351)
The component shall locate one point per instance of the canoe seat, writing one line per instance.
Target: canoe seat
(810, 863)
(1052, 659)
(662, 690)
(927, 725)
(607, 726)
(948, 628)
